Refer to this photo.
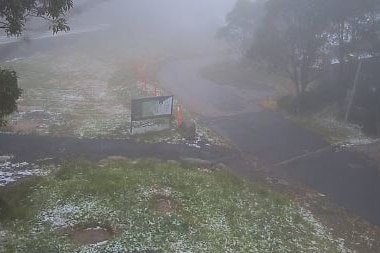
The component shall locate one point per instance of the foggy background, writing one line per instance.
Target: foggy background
(177, 25)
(159, 17)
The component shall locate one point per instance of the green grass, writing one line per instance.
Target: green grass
(331, 129)
(208, 211)
(80, 91)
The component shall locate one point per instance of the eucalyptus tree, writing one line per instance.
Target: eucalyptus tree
(241, 24)
(15, 14)
(289, 39)
(353, 28)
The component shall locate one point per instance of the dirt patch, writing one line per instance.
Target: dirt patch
(91, 235)
(163, 205)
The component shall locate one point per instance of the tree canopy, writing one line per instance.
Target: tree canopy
(15, 13)
(9, 93)
(241, 24)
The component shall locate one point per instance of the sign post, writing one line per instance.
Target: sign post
(151, 108)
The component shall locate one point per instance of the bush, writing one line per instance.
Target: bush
(9, 93)
(314, 100)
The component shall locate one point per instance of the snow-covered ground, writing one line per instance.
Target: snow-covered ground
(12, 171)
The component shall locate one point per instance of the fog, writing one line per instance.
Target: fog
(163, 17)
(167, 25)
(186, 25)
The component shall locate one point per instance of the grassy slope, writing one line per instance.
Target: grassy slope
(207, 211)
(76, 92)
(84, 90)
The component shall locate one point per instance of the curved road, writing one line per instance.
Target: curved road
(348, 178)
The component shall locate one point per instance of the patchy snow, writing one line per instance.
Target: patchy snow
(3, 237)
(147, 193)
(355, 136)
(322, 232)
(263, 224)
(14, 59)
(193, 145)
(71, 214)
(61, 216)
(100, 244)
(13, 171)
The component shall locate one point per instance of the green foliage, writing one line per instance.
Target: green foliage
(241, 23)
(14, 14)
(289, 38)
(9, 93)
(354, 27)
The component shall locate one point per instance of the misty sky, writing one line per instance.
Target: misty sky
(158, 16)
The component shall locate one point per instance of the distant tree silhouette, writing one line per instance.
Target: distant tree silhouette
(296, 37)
(289, 39)
(241, 25)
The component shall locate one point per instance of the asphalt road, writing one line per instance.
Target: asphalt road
(347, 178)
(31, 148)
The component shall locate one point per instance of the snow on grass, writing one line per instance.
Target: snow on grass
(321, 232)
(3, 236)
(86, 98)
(117, 127)
(352, 134)
(207, 212)
(71, 214)
(147, 193)
(13, 171)
(335, 131)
